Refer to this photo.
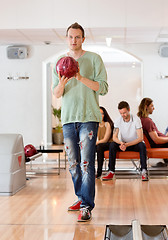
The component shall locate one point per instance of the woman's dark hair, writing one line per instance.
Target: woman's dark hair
(107, 118)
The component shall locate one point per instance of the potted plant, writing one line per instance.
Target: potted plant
(58, 132)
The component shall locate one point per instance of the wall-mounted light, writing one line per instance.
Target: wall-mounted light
(17, 77)
(108, 41)
(161, 76)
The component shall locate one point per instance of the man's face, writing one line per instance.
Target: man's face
(150, 108)
(125, 113)
(75, 39)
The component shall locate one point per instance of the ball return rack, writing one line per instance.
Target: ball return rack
(136, 231)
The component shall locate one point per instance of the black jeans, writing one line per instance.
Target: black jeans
(164, 145)
(114, 148)
(101, 148)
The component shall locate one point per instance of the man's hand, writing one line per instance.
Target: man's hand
(59, 89)
(77, 75)
(63, 80)
(94, 85)
(122, 147)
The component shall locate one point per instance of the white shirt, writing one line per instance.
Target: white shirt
(127, 130)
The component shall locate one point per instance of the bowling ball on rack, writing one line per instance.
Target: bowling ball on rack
(30, 150)
(67, 66)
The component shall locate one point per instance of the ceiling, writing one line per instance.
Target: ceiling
(93, 35)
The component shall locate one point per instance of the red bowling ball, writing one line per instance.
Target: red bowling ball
(67, 66)
(29, 150)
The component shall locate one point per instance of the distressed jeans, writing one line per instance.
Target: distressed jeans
(80, 145)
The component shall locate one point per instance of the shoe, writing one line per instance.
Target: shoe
(75, 206)
(165, 160)
(160, 164)
(85, 215)
(98, 176)
(110, 175)
(144, 176)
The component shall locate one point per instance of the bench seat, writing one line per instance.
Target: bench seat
(157, 153)
(151, 153)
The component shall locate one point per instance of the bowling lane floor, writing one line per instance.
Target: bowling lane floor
(39, 210)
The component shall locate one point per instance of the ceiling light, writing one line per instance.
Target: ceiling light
(133, 65)
(108, 42)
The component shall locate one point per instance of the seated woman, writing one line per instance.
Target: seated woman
(105, 133)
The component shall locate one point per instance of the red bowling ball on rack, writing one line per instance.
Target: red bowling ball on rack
(29, 150)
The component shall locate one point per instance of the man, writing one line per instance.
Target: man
(80, 117)
(131, 133)
(155, 137)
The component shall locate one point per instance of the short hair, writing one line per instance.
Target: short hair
(123, 104)
(142, 111)
(76, 26)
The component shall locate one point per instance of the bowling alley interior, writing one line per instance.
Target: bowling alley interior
(36, 190)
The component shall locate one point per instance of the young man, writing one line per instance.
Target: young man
(80, 117)
(131, 132)
(155, 137)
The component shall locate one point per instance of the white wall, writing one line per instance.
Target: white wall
(124, 83)
(154, 87)
(21, 100)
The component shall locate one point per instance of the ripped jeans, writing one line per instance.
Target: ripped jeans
(80, 145)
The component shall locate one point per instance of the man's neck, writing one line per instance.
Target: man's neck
(76, 54)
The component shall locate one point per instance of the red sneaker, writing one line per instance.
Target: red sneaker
(75, 206)
(144, 176)
(110, 175)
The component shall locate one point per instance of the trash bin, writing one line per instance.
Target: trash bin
(12, 164)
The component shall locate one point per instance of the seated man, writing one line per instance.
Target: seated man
(130, 129)
(155, 137)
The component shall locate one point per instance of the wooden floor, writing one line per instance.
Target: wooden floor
(39, 211)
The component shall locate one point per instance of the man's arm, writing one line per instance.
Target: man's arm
(89, 83)
(138, 140)
(59, 89)
(158, 140)
(116, 139)
(99, 84)
(151, 128)
(115, 136)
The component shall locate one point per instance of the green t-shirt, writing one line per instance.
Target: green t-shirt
(80, 103)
